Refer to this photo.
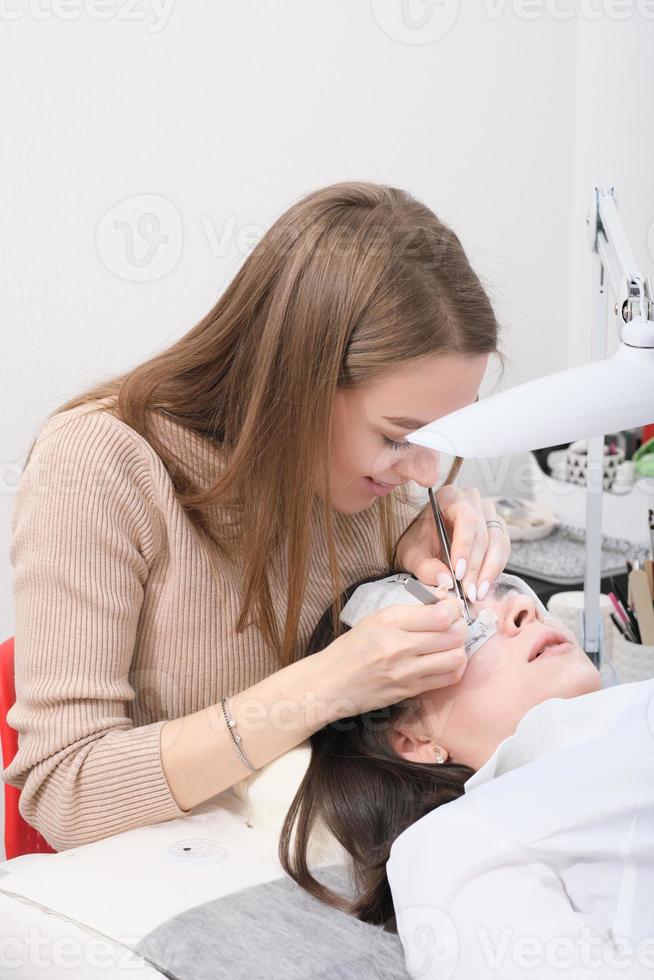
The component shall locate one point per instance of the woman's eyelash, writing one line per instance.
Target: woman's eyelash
(396, 445)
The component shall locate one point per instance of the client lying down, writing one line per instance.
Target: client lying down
(504, 825)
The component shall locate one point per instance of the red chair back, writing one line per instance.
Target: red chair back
(20, 837)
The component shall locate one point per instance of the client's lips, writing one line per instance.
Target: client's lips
(555, 639)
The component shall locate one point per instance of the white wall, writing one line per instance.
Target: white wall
(231, 112)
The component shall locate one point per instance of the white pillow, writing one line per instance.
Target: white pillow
(269, 793)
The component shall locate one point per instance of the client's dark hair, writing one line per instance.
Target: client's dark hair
(364, 793)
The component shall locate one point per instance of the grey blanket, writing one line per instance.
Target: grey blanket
(274, 930)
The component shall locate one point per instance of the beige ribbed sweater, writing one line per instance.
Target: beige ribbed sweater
(121, 625)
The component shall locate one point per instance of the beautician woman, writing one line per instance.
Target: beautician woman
(178, 531)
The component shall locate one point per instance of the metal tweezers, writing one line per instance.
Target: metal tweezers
(440, 527)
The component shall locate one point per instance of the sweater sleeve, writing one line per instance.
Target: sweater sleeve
(85, 528)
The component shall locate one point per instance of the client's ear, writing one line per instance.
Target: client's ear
(416, 746)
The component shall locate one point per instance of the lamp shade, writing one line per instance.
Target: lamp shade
(604, 396)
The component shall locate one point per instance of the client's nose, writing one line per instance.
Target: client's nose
(519, 612)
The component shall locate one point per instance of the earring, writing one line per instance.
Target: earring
(439, 756)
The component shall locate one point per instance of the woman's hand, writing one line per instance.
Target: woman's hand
(479, 553)
(395, 653)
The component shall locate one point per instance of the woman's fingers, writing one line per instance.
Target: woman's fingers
(400, 651)
(445, 643)
(419, 552)
(463, 512)
(498, 551)
(433, 617)
(446, 646)
(437, 663)
(478, 553)
(475, 561)
(433, 571)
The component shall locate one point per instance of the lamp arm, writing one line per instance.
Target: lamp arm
(607, 237)
(591, 635)
(613, 257)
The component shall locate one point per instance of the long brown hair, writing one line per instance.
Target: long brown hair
(351, 280)
(364, 793)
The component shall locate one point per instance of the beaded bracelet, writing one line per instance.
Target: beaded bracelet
(231, 723)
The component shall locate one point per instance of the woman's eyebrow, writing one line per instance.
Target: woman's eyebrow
(405, 423)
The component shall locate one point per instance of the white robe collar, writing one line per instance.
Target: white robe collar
(554, 723)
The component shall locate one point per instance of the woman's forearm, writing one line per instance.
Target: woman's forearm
(198, 754)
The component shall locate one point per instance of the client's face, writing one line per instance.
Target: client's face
(526, 662)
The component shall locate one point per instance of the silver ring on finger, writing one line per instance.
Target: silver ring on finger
(496, 524)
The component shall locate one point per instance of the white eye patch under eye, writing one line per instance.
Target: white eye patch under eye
(484, 626)
(401, 588)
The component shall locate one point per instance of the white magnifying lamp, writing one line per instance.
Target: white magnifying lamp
(606, 395)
